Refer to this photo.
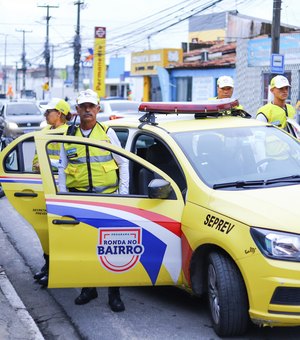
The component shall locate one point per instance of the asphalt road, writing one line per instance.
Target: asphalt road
(151, 312)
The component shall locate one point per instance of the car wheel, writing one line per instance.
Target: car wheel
(227, 296)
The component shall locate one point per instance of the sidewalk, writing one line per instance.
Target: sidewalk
(15, 321)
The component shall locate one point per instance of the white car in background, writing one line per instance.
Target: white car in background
(21, 117)
(113, 109)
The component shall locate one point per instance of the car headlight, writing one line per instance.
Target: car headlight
(43, 124)
(12, 126)
(277, 245)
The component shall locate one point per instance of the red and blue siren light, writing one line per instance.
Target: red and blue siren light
(208, 106)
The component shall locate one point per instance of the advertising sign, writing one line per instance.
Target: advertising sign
(99, 61)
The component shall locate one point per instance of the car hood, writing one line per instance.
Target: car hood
(276, 208)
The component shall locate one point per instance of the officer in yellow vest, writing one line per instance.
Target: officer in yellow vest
(277, 111)
(74, 173)
(57, 113)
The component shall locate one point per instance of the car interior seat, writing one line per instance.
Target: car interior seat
(158, 155)
(211, 157)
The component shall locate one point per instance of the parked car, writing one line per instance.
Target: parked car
(116, 108)
(21, 117)
(28, 94)
(111, 109)
(212, 207)
(114, 98)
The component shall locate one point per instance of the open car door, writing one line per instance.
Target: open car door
(23, 187)
(112, 239)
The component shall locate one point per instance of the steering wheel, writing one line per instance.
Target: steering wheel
(266, 161)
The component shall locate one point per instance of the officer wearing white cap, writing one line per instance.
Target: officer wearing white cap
(277, 111)
(89, 176)
(225, 86)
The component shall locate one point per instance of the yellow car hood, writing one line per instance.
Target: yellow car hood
(275, 208)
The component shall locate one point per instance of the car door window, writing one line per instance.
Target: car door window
(20, 158)
(122, 135)
(138, 181)
(157, 153)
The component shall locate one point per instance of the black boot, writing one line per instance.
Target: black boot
(43, 281)
(114, 299)
(44, 270)
(86, 295)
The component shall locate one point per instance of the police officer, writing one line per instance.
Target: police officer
(277, 111)
(57, 113)
(78, 179)
(225, 87)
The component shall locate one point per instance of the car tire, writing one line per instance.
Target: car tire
(227, 296)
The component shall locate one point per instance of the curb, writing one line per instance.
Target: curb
(19, 308)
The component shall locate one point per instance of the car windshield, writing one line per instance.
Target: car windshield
(124, 106)
(245, 157)
(22, 109)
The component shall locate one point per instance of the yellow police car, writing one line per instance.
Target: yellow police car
(212, 207)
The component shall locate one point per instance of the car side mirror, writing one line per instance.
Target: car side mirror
(159, 188)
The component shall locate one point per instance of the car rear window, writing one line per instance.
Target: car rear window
(22, 109)
(124, 106)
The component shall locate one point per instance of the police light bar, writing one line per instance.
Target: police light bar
(209, 106)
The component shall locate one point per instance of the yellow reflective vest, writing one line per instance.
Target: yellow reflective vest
(53, 149)
(276, 115)
(89, 168)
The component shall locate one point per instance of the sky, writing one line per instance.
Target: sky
(132, 25)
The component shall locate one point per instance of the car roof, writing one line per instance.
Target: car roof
(189, 116)
(21, 102)
(182, 123)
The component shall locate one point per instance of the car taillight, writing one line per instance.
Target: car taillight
(112, 117)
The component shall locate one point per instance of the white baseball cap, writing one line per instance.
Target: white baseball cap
(88, 96)
(279, 82)
(225, 81)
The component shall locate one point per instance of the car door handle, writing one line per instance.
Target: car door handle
(25, 194)
(65, 222)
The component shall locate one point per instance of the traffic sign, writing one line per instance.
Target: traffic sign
(277, 63)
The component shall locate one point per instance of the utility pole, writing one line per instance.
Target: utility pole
(5, 73)
(276, 27)
(77, 48)
(47, 50)
(23, 58)
(16, 89)
(4, 65)
(52, 66)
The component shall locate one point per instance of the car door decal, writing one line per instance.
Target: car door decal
(126, 242)
(21, 179)
(160, 235)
